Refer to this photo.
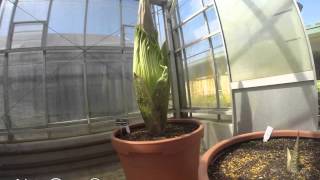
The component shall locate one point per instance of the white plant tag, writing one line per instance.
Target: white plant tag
(267, 134)
(127, 129)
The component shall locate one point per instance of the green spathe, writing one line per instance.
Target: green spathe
(150, 71)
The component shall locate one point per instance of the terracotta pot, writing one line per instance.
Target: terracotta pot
(216, 149)
(168, 159)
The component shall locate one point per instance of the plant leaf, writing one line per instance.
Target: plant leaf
(293, 158)
(150, 69)
(288, 160)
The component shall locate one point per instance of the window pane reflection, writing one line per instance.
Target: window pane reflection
(268, 41)
(197, 48)
(191, 33)
(130, 12)
(207, 2)
(212, 20)
(67, 19)
(26, 95)
(201, 76)
(103, 23)
(105, 85)
(5, 23)
(27, 35)
(188, 7)
(65, 86)
(222, 71)
(129, 36)
(32, 10)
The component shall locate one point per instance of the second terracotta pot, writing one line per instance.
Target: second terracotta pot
(214, 151)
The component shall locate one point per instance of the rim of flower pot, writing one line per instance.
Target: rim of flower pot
(216, 149)
(149, 142)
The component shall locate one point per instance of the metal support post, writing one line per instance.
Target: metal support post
(172, 64)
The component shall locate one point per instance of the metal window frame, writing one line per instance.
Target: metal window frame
(204, 8)
(45, 36)
(172, 63)
(184, 59)
(124, 26)
(44, 49)
(197, 40)
(43, 23)
(178, 29)
(2, 7)
(226, 55)
(84, 65)
(214, 68)
(308, 44)
(7, 118)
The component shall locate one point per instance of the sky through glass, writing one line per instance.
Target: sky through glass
(310, 11)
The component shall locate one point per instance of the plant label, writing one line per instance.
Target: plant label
(267, 134)
(127, 129)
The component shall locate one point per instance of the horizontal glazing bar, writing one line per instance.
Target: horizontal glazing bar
(30, 22)
(69, 123)
(193, 15)
(126, 25)
(223, 111)
(111, 119)
(197, 40)
(274, 80)
(63, 48)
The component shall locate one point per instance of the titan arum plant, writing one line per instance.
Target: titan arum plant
(150, 72)
(293, 157)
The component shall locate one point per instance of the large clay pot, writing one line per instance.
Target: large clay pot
(168, 159)
(216, 149)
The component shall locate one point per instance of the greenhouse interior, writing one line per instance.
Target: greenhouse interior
(69, 86)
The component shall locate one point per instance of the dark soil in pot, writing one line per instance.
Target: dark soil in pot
(172, 130)
(257, 160)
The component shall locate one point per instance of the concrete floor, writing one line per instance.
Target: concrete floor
(99, 172)
(105, 171)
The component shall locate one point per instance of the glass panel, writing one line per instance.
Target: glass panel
(222, 71)
(197, 48)
(129, 36)
(105, 85)
(130, 12)
(212, 20)
(103, 24)
(191, 33)
(26, 95)
(217, 43)
(65, 88)
(64, 56)
(27, 35)
(66, 23)
(207, 2)
(201, 76)
(32, 10)
(5, 23)
(182, 80)
(158, 16)
(2, 125)
(129, 90)
(268, 41)
(188, 7)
